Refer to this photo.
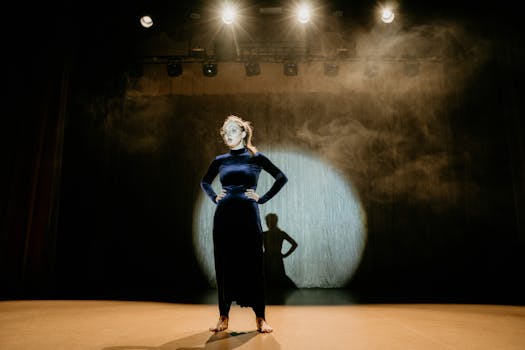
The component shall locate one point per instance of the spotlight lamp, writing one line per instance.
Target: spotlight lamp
(303, 13)
(290, 69)
(198, 52)
(342, 52)
(174, 69)
(195, 15)
(228, 14)
(146, 21)
(387, 15)
(252, 69)
(209, 69)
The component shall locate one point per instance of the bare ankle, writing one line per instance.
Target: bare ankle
(221, 325)
(263, 326)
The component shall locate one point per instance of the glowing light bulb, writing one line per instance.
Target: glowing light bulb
(303, 14)
(146, 21)
(228, 15)
(387, 15)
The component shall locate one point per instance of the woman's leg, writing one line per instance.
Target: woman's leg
(220, 248)
(259, 310)
(260, 321)
(224, 311)
(224, 307)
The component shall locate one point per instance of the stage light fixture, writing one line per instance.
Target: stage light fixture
(228, 14)
(342, 52)
(290, 68)
(252, 69)
(198, 52)
(209, 69)
(195, 15)
(331, 69)
(303, 13)
(174, 69)
(146, 21)
(387, 15)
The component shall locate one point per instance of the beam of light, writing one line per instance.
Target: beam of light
(228, 14)
(318, 208)
(303, 13)
(146, 21)
(387, 15)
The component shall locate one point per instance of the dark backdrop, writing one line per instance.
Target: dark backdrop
(104, 168)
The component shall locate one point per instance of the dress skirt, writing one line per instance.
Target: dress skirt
(238, 249)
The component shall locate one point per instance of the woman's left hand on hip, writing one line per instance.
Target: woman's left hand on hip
(250, 193)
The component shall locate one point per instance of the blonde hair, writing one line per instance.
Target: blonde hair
(245, 126)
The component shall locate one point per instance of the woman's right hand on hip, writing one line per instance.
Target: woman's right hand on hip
(220, 196)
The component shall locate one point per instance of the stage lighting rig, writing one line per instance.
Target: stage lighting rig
(331, 69)
(174, 68)
(290, 68)
(252, 69)
(209, 69)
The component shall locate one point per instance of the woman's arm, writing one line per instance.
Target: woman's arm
(278, 175)
(206, 181)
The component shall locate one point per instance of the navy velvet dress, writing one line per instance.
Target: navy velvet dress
(237, 231)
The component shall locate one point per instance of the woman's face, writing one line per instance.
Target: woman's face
(233, 135)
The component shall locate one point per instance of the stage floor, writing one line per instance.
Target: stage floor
(119, 325)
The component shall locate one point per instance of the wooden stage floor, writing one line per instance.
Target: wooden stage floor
(134, 325)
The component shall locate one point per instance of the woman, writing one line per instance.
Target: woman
(237, 231)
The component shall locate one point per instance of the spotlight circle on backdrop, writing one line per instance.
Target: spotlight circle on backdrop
(318, 208)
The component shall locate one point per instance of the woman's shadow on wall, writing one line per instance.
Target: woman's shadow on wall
(278, 284)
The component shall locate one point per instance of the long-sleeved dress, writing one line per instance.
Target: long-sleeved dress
(237, 231)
